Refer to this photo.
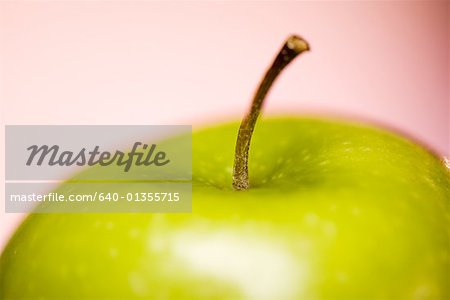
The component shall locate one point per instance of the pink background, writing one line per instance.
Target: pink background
(198, 63)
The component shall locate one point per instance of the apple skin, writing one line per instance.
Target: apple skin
(335, 211)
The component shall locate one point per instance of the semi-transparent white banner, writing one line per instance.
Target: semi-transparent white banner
(98, 168)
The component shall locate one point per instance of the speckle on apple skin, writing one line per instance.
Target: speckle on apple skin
(447, 162)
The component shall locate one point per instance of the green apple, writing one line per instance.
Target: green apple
(333, 210)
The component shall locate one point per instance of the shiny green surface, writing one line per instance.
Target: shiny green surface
(335, 211)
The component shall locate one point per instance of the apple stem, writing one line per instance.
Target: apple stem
(293, 46)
